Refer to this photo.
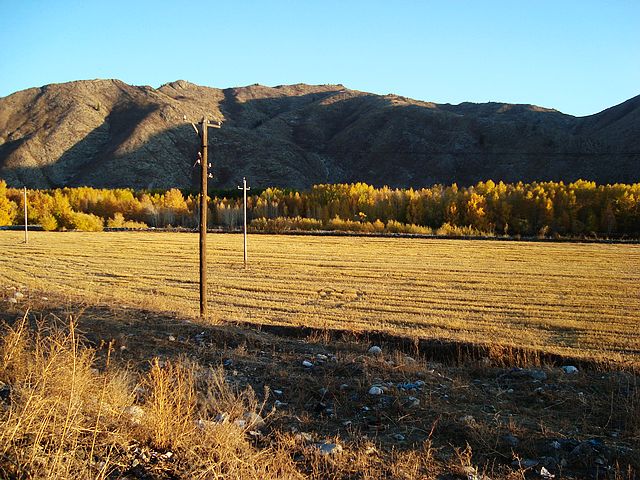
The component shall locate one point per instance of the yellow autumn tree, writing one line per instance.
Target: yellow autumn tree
(8, 209)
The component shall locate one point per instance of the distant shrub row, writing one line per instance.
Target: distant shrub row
(337, 224)
(580, 208)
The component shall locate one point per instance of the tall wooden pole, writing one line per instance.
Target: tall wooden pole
(204, 174)
(204, 177)
(26, 222)
(244, 189)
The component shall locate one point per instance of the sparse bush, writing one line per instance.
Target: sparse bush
(461, 231)
(283, 224)
(118, 221)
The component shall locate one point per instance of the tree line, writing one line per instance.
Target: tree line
(543, 209)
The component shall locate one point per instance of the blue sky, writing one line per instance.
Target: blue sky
(577, 56)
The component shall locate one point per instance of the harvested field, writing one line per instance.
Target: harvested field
(573, 299)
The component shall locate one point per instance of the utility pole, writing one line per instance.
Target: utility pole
(244, 188)
(204, 187)
(26, 222)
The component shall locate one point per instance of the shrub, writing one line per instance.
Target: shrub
(118, 221)
(283, 224)
(461, 231)
(86, 222)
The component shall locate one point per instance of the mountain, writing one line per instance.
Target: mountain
(106, 133)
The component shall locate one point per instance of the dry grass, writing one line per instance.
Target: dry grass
(65, 419)
(568, 298)
(167, 408)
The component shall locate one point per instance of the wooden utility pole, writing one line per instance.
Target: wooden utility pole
(204, 184)
(244, 188)
(26, 222)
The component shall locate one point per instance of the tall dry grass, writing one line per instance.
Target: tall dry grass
(62, 418)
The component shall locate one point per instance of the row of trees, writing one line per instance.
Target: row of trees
(580, 208)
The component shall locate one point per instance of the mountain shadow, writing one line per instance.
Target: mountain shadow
(299, 135)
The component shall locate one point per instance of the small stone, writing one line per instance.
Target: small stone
(304, 437)
(544, 473)
(569, 369)
(467, 419)
(254, 420)
(525, 463)
(412, 402)
(228, 362)
(538, 375)
(375, 390)
(5, 392)
(18, 295)
(221, 417)
(135, 412)
(322, 357)
(398, 437)
(307, 364)
(330, 448)
(511, 440)
(204, 424)
(375, 350)
(12, 300)
(344, 386)
(472, 474)
(172, 338)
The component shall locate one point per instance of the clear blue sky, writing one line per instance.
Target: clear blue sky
(579, 56)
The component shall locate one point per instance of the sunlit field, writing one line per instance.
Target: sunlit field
(569, 298)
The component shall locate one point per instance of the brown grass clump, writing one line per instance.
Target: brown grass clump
(59, 412)
(62, 418)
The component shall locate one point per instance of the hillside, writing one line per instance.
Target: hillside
(106, 133)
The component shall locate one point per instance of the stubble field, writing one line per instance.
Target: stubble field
(567, 298)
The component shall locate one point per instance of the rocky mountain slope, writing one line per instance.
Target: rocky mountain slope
(106, 133)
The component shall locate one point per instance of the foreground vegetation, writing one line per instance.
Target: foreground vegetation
(141, 395)
(573, 299)
(537, 209)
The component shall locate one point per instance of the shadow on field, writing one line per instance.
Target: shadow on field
(141, 335)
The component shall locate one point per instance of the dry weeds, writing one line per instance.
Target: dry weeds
(164, 406)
